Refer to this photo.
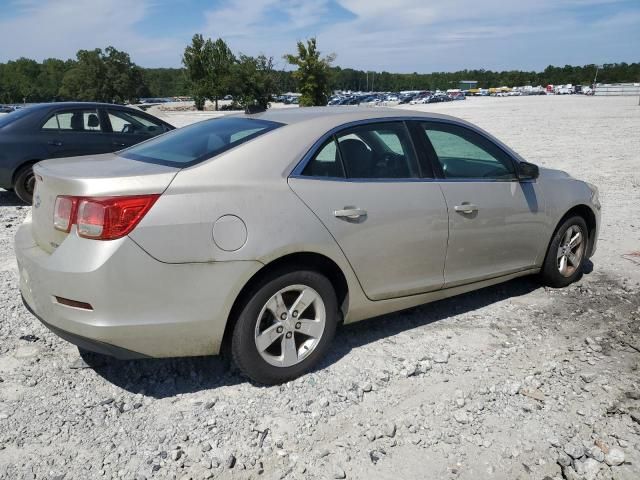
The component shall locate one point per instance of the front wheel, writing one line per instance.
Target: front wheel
(285, 326)
(25, 183)
(566, 254)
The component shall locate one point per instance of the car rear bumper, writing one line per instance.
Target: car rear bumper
(87, 343)
(138, 306)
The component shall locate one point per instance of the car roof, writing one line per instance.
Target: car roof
(74, 105)
(339, 115)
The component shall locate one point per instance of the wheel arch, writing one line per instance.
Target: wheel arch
(20, 167)
(589, 217)
(299, 260)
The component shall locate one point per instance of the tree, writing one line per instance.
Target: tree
(18, 80)
(123, 78)
(106, 77)
(254, 80)
(49, 79)
(219, 63)
(195, 61)
(165, 82)
(313, 73)
(85, 80)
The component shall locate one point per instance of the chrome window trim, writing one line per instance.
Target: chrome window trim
(300, 166)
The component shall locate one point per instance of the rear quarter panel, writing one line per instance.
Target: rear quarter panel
(250, 183)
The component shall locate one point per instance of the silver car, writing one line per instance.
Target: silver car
(262, 232)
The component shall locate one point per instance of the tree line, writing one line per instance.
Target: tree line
(211, 71)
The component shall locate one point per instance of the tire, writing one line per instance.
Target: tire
(265, 309)
(557, 272)
(24, 183)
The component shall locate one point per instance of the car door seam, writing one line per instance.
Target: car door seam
(446, 253)
(334, 238)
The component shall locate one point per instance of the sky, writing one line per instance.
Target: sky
(393, 35)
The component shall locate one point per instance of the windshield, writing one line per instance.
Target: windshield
(13, 116)
(198, 142)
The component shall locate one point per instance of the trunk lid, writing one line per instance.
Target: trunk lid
(89, 176)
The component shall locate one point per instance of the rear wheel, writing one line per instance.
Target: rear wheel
(285, 327)
(25, 183)
(566, 253)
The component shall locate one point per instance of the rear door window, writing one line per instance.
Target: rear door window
(378, 151)
(86, 120)
(198, 142)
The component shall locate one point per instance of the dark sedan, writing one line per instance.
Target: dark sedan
(55, 130)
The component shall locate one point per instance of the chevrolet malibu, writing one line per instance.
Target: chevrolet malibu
(262, 232)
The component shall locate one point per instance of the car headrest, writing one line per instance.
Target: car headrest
(93, 121)
(77, 121)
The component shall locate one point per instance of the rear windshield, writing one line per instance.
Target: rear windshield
(198, 142)
(13, 116)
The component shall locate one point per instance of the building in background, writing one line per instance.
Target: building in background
(467, 84)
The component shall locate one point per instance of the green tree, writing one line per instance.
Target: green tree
(106, 77)
(166, 82)
(254, 80)
(85, 80)
(49, 79)
(19, 80)
(123, 79)
(219, 63)
(195, 61)
(313, 73)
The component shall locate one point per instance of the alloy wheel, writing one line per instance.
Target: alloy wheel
(290, 325)
(570, 251)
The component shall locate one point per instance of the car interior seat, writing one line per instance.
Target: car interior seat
(77, 121)
(358, 159)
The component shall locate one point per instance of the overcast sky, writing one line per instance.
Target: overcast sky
(393, 35)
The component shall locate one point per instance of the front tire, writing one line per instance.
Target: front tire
(566, 254)
(285, 326)
(25, 183)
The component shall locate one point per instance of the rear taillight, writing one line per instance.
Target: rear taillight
(64, 213)
(103, 218)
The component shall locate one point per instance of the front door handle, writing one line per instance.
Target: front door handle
(119, 144)
(55, 143)
(350, 213)
(466, 208)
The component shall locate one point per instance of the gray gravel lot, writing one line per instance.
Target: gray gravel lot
(513, 381)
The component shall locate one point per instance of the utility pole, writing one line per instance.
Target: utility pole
(595, 79)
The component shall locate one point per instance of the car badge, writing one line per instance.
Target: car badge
(36, 201)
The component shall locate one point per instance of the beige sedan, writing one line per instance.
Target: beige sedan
(265, 231)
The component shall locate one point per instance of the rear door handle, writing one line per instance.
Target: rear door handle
(350, 213)
(118, 144)
(55, 143)
(466, 208)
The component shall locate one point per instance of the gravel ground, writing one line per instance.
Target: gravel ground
(513, 381)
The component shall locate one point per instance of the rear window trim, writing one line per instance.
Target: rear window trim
(270, 126)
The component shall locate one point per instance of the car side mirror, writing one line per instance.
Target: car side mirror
(528, 171)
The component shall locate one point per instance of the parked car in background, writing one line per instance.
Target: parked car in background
(66, 129)
(257, 232)
(6, 109)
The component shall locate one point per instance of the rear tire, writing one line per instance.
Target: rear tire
(566, 254)
(24, 184)
(285, 326)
